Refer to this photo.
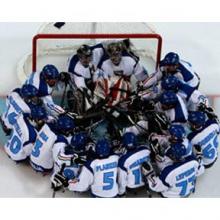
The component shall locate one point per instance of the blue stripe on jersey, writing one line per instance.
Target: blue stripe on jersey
(61, 138)
(97, 46)
(188, 90)
(123, 159)
(179, 115)
(72, 64)
(87, 165)
(187, 75)
(167, 170)
(194, 133)
(103, 59)
(43, 88)
(32, 132)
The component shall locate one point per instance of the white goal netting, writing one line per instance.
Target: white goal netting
(56, 49)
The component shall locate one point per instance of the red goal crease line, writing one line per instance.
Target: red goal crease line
(93, 36)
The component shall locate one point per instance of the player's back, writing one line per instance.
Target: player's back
(105, 176)
(207, 139)
(180, 178)
(19, 145)
(130, 167)
(35, 80)
(14, 105)
(42, 156)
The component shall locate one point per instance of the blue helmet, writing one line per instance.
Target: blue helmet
(129, 140)
(79, 141)
(29, 91)
(176, 151)
(168, 98)
(50, 72)
(102, 148)
(197, 118)
(177, 132)
(171, 59)
(65, 123)
(38, 113)
(170, 83)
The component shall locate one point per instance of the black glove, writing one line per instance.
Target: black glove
(199, 154)
(65, 77)
(59, 181)
(147, 169)
(76, 159)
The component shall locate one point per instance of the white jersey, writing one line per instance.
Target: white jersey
(45, 93)
(60, 158)
(178, 179)
(129, 173)
(41, 158)
(15, 105)
(184, 73)
(207, 139)
(127, 67)
(100, 176)
(178, 114)
(21, 142)
(80, 74)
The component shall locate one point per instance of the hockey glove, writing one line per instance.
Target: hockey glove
(199, 154)
(59, 181)
(147, 169)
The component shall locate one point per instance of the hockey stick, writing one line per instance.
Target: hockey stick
(60, 172)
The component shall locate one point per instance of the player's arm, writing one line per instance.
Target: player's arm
(140, 72)
(83, 182)
(54, 109)
(122, 180)
(152, 79)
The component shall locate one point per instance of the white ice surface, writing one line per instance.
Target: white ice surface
(195, 42)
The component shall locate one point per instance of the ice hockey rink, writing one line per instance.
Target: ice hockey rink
(197, 43)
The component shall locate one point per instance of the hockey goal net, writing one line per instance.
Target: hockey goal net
(55, 43)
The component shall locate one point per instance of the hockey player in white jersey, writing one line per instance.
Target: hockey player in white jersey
(204, 136)
(81, 69)
(192, 97)
(98, 175)
(18, 101)
(73, 155)
(24, 134)
(121, 63)
(172, 65)
(129, 174)
(178, 178)
(46, 82)
(173, 106)
(51, 137)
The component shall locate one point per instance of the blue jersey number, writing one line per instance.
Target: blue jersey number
(39, 144)
(36, 149)
(108, 180)
(186, 183)
(209, 151)
(15, 145)
(137, 176)
(12, 118)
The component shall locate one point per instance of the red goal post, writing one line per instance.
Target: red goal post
(39, 37)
